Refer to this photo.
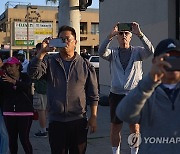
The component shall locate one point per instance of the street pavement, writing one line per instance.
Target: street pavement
(98, 143)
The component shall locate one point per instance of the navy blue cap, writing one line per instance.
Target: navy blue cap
(166, 46)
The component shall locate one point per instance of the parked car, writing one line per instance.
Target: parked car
(94, 60)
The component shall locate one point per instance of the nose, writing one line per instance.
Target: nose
(123, 34)
(65, 40)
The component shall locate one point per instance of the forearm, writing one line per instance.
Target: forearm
(41, 55)
(93, 110)
(35, 70)
(104, 52)
(92, 95)
(149, 49)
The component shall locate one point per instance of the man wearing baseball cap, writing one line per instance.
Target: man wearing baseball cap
(156, 102)
(21, 56)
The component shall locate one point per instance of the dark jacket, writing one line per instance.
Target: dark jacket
(149, 105)
(40, 86)
(16, 98)
(68, 94)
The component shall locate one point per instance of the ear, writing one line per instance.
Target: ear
(75, 42)
(130, 35)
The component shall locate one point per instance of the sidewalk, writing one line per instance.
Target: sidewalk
(98, 143)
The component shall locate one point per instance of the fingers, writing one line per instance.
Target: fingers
(135, 24)
(116, 26)
(92, 126)
(45, 45)
(45, 42)
(92, 129)
(115, 30)
(7, 78)
(135, 28)
(159, 66)
(160, 60)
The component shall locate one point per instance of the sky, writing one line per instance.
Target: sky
(95, 3)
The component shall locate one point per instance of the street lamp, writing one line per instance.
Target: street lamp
(10, 40)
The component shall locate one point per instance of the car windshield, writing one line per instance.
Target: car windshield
(95, 59)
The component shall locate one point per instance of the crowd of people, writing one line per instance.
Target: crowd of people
(61, 85)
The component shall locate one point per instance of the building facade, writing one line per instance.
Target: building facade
(158, 20)
(27, 23)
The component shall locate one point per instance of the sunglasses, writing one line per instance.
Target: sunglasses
(122, 33)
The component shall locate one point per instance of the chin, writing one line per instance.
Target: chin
(172, 77)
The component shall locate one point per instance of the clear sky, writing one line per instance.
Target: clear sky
(95, 3)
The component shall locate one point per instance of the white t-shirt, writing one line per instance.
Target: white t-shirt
(25, 65)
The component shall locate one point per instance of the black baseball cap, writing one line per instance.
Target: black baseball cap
(166, 46)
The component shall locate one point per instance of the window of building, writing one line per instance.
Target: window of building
(57, 27)
(83, 28)
(3, 27)
(17, 19)
(94, 28)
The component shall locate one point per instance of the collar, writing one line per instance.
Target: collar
(170, 86)
(58, 57)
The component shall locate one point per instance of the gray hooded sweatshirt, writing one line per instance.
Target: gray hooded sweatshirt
(122, 81)
(149, 105)
(68, 94)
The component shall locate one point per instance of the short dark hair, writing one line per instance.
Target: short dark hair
(38, 46)
(67, 28)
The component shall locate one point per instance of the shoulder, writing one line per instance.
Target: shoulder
(85, 62)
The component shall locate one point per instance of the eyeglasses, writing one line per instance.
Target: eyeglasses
(66, 39)
(122, 33)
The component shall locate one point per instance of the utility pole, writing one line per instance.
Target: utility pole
(27, 11)
(11, 39)
(69, 14)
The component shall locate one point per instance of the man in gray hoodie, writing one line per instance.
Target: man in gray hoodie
(155, 103)
(71, 85)
(126, 71)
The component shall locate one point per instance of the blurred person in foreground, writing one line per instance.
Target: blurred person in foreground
(71, 85)
(126, 71)
(15, 93)
(3, 132)
(155, 102)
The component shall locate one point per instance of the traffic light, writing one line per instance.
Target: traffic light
(83, 4)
